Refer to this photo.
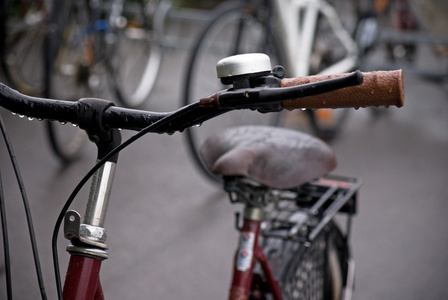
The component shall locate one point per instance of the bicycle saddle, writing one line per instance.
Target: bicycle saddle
(275, 157)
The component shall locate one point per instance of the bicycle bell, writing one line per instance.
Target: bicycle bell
(244, 70)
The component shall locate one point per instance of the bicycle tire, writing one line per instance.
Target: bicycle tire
(22, 61)
(314, 271)
(135, 75)
(219, 39)
(65, 75)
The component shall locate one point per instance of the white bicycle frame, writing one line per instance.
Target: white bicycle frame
(299, 35)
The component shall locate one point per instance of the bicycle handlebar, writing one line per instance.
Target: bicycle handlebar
(380, 88)
(333, 91)
(72, 111)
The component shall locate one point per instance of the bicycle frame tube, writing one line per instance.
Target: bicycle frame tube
(299, 35)
(298, 38)
(88, 240)
(247, 254)
(88, 248)
(82, 280)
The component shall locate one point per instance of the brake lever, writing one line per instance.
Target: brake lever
(269, 99)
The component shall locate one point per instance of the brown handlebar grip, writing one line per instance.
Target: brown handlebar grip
(379, 88)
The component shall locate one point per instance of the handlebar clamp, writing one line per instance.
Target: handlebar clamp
(90, 113)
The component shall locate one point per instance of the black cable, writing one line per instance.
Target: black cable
(27, 210)
(70, 201)
(5, 242)
(151, 128)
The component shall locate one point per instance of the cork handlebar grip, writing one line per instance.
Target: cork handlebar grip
(379, 88)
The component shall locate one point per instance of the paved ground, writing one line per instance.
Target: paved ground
(171, 232)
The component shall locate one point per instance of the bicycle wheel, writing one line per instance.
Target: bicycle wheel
(25, 28)
(232, 30)
(315, 271)
(71, 71)
(138, 51)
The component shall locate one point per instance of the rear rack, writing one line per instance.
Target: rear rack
(301, 213)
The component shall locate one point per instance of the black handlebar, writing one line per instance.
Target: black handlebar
(263, 99)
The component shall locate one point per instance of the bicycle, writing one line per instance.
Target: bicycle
(23, 27)
(406, 29)
(87, 51)
(298, 227)
(306, 36)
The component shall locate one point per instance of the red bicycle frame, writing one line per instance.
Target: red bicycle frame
(88, 248)
(83, 280)
(249, 252)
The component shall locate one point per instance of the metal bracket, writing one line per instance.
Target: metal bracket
(88, 234)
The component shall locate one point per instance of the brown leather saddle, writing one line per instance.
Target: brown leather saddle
(275, 157)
